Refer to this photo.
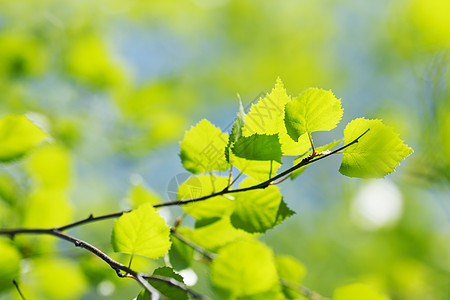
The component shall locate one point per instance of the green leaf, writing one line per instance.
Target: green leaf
(236, 131)
(203, 149)
(291, 271)
(257, 210)
(259, 147)
(197, 186)
(267, 117)
(319, 150)
(141, 232)
(376, 154)
(257, 169)
(18, 135)
(10, 262)
(313, 110)
(140, 194)
(180, 254)
(357, 291)
(167, 290)
(284, 212)
(215, 235)
(243, 268)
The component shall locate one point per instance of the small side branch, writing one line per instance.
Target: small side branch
(205, 253)
(18, 289)
(308, 293)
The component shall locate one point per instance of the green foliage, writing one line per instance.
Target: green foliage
(201, 186)
(374, 156)
(244, 268)
(267, 117)
(313, 110)
(166, 290)
(180, 254)
(203, 148)
(258, 147)
(18, 135)
(227, 223)
(257, 210)
(141, 232)
(291, 272)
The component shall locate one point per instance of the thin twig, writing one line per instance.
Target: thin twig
(18, 289)
(306, 161)
(308, 293)
(205, 253)
(116, 266)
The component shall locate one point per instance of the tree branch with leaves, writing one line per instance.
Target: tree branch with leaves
(228, 217)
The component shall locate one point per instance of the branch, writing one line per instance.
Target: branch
(306, 161)
(115, 265)
(205, 253)
(309, 294)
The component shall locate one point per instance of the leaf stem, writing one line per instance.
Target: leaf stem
(18, 289)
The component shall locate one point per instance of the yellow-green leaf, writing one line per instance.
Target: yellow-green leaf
(243, 268)
(376, 154)
(203, 148)
(267, 117)
(313, 110)
(18, 135)
(197, 186)
(142, 232)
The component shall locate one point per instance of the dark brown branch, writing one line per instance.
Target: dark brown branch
(115, 265)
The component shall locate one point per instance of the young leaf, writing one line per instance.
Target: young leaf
(180, 254)
(313, 110)
(166, 290)
(256, 210)
(291, 271)
(267, 117)
(18, 135)
(141, 232)
(318, 150)
(236, 131)
(376, 154)
(197, 186)
(203, 149)
(244, 268)
(215, 235)
(284, 212)
(259, 147)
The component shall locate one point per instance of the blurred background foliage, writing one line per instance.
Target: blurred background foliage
(116, 84)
